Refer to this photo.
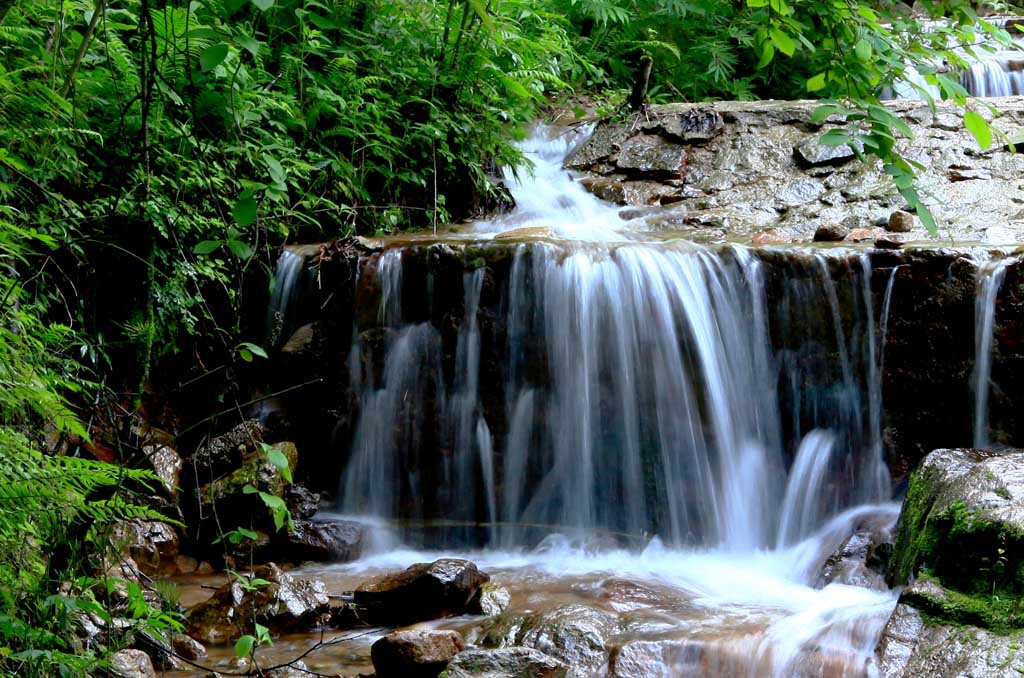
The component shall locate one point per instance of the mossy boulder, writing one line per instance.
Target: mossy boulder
(235, 504)
(960, 539)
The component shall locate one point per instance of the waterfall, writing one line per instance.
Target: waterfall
(990, 279)
(284, 297)
(708, 418)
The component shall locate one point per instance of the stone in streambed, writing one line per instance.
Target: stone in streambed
(131, 664)
(284, 603)
(831, 233)
(330, 541)
(424, 591)
(414, 653)
(901, 222)
(508, 662)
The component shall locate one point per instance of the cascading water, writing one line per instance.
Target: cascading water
(709, 419)
(285, 296)
(990, 279)
(989, 74)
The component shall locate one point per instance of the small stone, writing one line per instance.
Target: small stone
(338, 541)
(831, 233)
(185, 564)
(132, 664)
(901, 222)
(862, 234)
(888, 242)
(150, 543)
(769, 238)
(414, 653)
(812, 153)
(187, 647)
(205, 568)
(296, 669)
(494, 599)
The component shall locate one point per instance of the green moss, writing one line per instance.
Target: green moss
(998, 613)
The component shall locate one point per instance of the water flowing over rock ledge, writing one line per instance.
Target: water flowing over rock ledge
(927, 294)
(755, 170)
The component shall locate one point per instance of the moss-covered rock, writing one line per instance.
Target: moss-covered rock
(234, 504)
(961, 536)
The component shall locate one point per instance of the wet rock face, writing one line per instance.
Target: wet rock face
(509, 662)
(334, 541)
(863, 559)
(151, 544)
(761, 166)
(577, 635)
(282, 604)
(414, 653)
(132, 664)
(910, 646)
(423, 591)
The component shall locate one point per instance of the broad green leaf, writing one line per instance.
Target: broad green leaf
(263, 5)
(240, 249)
(206, 247)
(244, 211)
(979, 128)
(782, 41)
(248, 43)
(767, 54)
(255, 349)
(757, 3)
(280, 462)
(863, 50)
(243, 648)
(213, 56)
(816, 83)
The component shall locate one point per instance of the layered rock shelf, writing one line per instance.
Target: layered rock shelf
(757, 172)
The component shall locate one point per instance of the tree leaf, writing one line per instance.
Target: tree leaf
(255, 349)
(213, 56)
(240, 249)
(863, 50)
(206, 247)
(979, 128)
(816, 83)
(767, 54)
(244, 645)
(782, 41)
(263, 5)
(244, 211)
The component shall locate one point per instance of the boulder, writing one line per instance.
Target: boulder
(131, 664)
(911, 646)
(338, 541)
(236, 504)
(423, 591)
(508, 662)
(187, 647)
(302, 503)
(650, 154)
(226, 451)
(961, 535)
(152, 544)
(279, 601)
(166, 464)
(415, 653)
(575, 634)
